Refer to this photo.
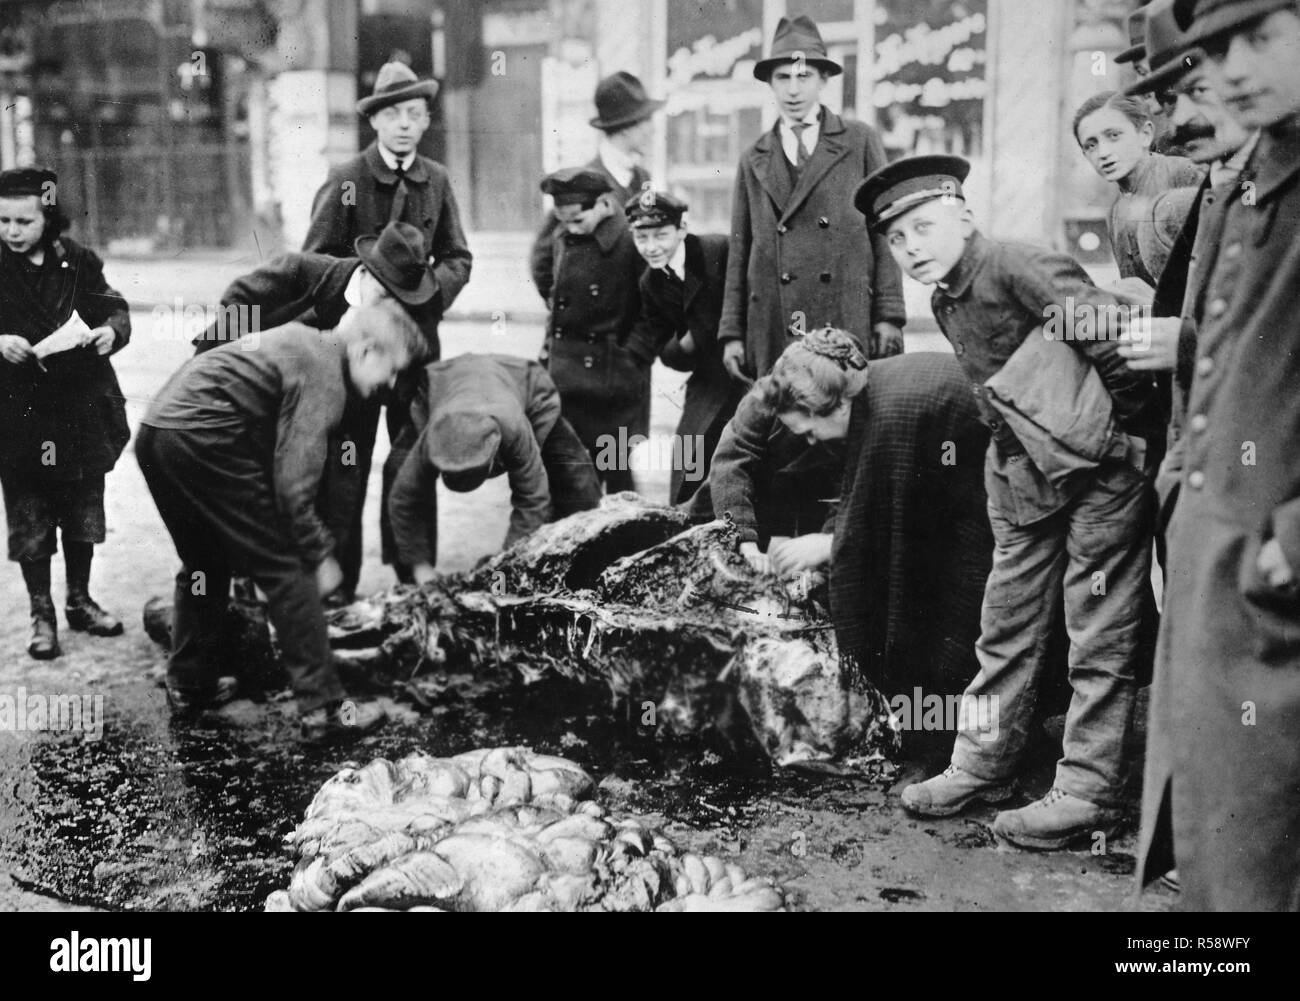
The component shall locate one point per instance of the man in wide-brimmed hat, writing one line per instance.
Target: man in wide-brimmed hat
(317, 290)
(390, 182)
(1228, 663)
(800, 256)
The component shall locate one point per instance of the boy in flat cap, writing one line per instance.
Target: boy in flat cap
(596, 350)
(476, 417)
(1222, 762)
(318, 290)
(233, 449)
(800, 256)
(1086, 533)
(62, 416)
(390, 182)
(681, 307)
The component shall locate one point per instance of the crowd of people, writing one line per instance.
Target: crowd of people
(987, 519)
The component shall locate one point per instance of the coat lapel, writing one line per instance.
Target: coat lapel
(694, 269)
(830, 150)
(773, 176)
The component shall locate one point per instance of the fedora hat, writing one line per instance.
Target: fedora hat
(1168, 54)
(621, 101)
(1202, 20)
(396, 258)
(795, 39)
(1137, 49)
(396, 83)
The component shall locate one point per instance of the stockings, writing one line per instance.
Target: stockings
(77, 557)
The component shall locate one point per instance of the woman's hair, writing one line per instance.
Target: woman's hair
(816, 373)
(1130, 107)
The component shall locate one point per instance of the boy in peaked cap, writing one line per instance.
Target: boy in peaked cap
(1050, 535)
(390, 182)
(596, 350)
(681, 307)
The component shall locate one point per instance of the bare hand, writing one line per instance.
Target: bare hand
(1272, 564)
(102, 339)
(733, 359)
(687, 343)
(886, 340)
(16, 350)
(329, 576)
(423, 573)
(754, 556)
(1152, 344)
(805, 552)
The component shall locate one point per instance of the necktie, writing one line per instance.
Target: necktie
(673, 276)
(399, 196)
(802, 154)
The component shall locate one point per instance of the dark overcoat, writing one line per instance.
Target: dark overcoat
(298, 288)
(596, 349)
(1223, 747)
(357, 199)
(695, 308)
(913, 547)
(804, 255)
(76, 403)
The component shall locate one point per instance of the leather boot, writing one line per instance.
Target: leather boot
(85, 616)
(44, 644)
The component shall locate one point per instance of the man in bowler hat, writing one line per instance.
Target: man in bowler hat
(390, 182)
(800, 256)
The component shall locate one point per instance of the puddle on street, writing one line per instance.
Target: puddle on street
(159, 815)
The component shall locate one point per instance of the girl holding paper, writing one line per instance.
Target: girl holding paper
(61, 409)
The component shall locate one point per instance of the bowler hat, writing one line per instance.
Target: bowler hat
(796, 40)
(652, 209)
(621, 101)
(1168, 54)
(396, 258)
(18, 181)
(1201, 20)
(575, 185)
(1136, 50)
(396, 83)
(900, 186)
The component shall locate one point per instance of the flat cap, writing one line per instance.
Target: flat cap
(573, 185)
(463, 441)
(904, 184)
(20, 181)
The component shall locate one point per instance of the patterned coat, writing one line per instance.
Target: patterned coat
(913, 547)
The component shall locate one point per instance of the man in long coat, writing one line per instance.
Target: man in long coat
(390, 182)
(800, 254)
(1223, 757)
